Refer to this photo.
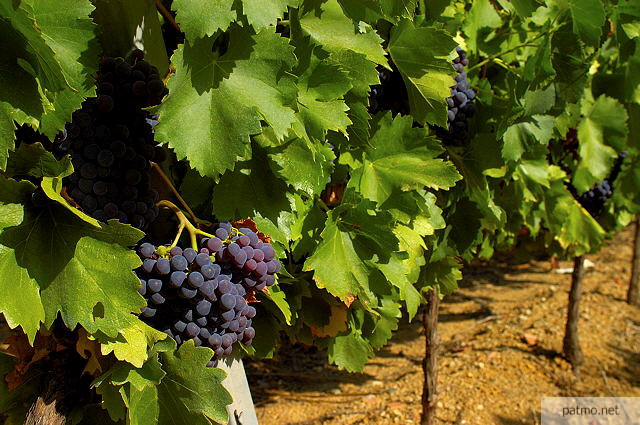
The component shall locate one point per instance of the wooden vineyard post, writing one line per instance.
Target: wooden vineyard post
(633, 296)
(241, 411)
(571, 343)
(430, 361)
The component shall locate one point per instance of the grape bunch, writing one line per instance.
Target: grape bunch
(242, 254)
(111, 143)
(594, 199)
(202, 295)
(460, 104)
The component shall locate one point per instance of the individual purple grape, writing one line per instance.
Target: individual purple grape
(202, 259)
(157, 299)
(226, 341)
(177, 278)
(148, 312)
(192, 330)
(251, 312)
(142, 290)
(187, 293)
(148, 265)
(163, 266)
(258, 255)
(227, 301)
(146, 250)
(190, 254)
(250, 265)
(178, 262)
(154, 285)
(214, 244)
(261, 268)
(222, 233)
(244, 241)
(214, 341)
(195, 279)
(210, 271)
(203, 307)
(240, 258)
(269, 252)
(233, 249)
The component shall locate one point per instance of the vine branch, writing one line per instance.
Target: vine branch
(175, 192)
(167, 15)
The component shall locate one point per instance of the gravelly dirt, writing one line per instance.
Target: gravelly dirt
(489, 372)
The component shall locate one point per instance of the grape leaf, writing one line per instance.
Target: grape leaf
(191, 393)
(305, 166)
(421, 57)
(588, 17)
(386, 322)
(72, 35)
(138, 338)
(361, 72)
(321, 107)
(482, 18)
(395, 9)
(142, 405)
(250, 189)
(86, 275)
(402, 270)
(34, 160)
(369, 227)
(522, 136)
(368, 11)
(572, 226)
(262, 13)
(200, 18)
(39, 59)
(231, 113)
(602, 131)
(336, 264)
(399, 157)
(19, 293)
(332, 30)
(445, 274)
(350, 352)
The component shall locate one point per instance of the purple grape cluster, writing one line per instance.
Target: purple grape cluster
(594, 199)
(189, 298)
(201, 295)
(460, 104)
(242, 254)
(111, 143)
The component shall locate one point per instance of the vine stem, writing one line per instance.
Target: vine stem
(527, 44)
(175, 192)
(167, 15)
(184, 224)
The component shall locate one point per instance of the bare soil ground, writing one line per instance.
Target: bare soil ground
(501, 339)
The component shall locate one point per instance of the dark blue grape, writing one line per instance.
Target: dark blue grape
(202, 259)
(190, 254)
(192, 330)
(180, 326)
(195, 279)
(178, 262)
(163, 266)
(146, 250)
(177, 279)
(187, 293)
(157, 299)
(154, 285)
